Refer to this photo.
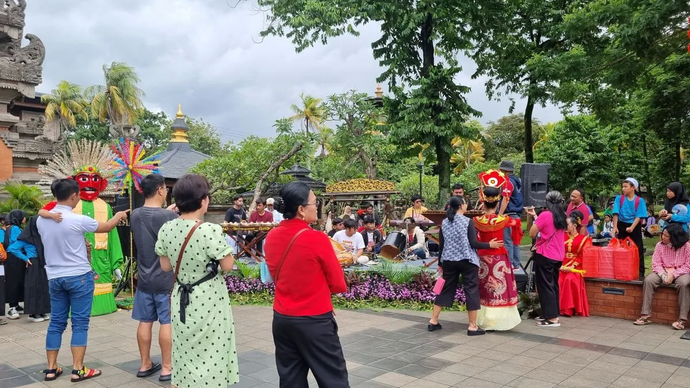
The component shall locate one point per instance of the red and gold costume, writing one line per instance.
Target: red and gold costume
(571, 284)
(496, 178)
(497, 289)
(89, 163)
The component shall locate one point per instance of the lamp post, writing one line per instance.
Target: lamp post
(420, 165)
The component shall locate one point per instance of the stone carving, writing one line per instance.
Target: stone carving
(126, 131)
(35, 126)
(25, 66)
(15, 12)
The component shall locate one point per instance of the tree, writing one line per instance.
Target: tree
(507, 136)
(204, 137)
(517, 53)
(311, 114)
(65, 103)
(22, 197)
(359, 132)
(119, 100)
(418, 48)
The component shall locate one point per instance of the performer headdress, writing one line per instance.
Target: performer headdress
(497, 179)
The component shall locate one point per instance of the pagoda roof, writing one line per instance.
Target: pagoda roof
(297, 170)
(179, 159)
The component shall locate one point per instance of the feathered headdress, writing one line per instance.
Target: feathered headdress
(80, 156)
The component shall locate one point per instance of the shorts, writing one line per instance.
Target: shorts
(151, 307)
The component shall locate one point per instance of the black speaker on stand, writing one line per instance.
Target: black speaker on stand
(535, 184)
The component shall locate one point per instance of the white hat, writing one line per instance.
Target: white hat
(270, 201)
(633, 182)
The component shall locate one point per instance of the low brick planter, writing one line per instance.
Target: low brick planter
(617, 299)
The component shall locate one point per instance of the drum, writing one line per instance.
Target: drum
(392, 246)
(344, 257)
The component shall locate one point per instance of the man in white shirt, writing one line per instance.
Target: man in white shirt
(277, 216)
(350, 239)
(70, 278)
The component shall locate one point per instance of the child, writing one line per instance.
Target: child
(608, 226)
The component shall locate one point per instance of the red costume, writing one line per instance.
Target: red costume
(572, 292)
(497, 286)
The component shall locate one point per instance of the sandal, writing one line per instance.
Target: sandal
(55, 372)
(84, 374)
(679, 324)
(3, 322)
(547, 323)
(641, 321)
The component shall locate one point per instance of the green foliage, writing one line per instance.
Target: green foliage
(246, 271)
(409, 185)
(119, 100)
(397, 274)
(65, 103)
(22, 197)
(506, 136)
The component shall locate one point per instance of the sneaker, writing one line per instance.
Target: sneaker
(45, 316)
(36, 318)
(12, 314)
(20, 309)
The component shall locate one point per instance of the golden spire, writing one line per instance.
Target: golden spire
(179, 127)
(379, 91)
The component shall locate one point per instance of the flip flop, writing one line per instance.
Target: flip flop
(165, 377)
(679, 324)
(155, 367)
(57, 372)
(641, 321)
(84, 374)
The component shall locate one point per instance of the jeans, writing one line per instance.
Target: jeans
(73, 293)
(420, 253)
(513, 249)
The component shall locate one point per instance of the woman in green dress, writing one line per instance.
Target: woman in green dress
(203, 332)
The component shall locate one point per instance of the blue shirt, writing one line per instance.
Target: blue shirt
(15, 231)
(628, 213)
(23, 250)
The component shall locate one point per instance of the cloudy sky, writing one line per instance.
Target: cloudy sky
(204, 55)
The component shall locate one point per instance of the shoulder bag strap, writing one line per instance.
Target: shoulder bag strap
(182, 248)
(280, 265)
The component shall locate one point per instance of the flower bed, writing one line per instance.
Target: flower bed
(387, 287)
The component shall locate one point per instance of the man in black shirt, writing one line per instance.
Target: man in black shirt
(337, 227)
(152, 300)
(236, 213)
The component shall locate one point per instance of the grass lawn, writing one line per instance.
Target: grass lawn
(649, 244)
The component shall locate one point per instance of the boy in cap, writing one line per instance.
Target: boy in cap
(629, 210)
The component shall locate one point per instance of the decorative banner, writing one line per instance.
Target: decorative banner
(130, 165)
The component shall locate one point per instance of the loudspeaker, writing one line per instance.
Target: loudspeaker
(535, 183)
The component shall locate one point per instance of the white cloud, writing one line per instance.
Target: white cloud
(202, 54)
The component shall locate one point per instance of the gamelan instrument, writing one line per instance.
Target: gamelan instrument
(344, 256)
(248, 226)
(393, 246)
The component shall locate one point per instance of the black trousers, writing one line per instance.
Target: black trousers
(304, 343)
(546, 273)
(15, 270)
(636, 236)
(470, 284)
(2, 296)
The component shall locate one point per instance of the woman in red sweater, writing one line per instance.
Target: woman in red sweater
(306, 272)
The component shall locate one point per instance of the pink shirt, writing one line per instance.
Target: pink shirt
(550, 243)
(582, 208)
(666, 257)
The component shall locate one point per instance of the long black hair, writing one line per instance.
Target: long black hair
(16, 217)
(554, 204)
(677, 234)
(576, 217)
(292, 196)
(453, 205)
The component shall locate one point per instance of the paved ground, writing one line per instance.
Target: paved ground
(393, 348)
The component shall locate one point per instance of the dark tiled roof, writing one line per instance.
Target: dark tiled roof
(179, 159)
(296, 170)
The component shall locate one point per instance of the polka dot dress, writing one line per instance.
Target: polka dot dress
(204, 354)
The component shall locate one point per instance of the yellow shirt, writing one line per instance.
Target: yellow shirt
(414, 213)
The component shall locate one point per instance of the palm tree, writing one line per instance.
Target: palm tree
(312, 112)
(65, 103)
(468, 151)
(22, 197)
(120, 99)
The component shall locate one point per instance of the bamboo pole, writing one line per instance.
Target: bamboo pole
(131, 243)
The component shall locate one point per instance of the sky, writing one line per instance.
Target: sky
(207, 56)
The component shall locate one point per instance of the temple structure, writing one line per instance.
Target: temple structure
(26, 140)
(179, 158)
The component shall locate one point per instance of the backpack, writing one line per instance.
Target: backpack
(3, 252)
(622, 201)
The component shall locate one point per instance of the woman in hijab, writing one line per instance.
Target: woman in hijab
(29, 249)
(676, 205)
(14, 266)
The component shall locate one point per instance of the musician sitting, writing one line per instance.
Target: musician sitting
(259, 215)
(372, 237)
(415, 238)
(416, 210)
(350, 239)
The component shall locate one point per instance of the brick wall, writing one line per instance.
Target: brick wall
(5, 161)
(627, 306)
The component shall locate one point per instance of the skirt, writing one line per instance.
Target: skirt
(498, 294)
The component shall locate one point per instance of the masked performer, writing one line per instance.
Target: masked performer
(89, 163)
(497, 289)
